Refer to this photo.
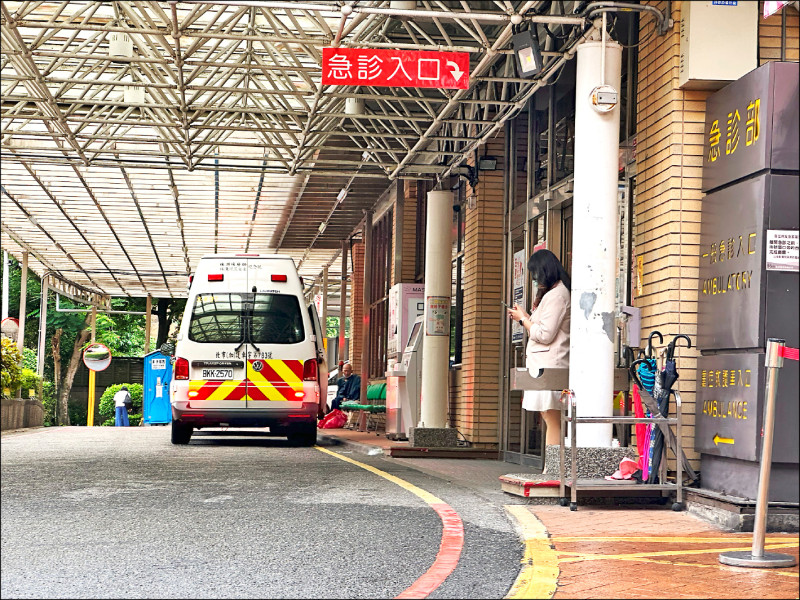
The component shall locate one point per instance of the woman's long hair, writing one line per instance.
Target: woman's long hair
(546, 269)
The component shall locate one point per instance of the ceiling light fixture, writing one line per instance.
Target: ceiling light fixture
(341, 195)
(526, 50)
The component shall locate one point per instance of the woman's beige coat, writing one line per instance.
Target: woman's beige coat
(548, 335)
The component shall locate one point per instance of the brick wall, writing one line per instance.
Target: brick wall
(356, 298)
(669, 158)
(405, 232)
(769, 36)
(476, 409)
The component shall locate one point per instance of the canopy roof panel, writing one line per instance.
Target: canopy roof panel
(138, 136)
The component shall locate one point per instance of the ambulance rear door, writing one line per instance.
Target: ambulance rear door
(277, 344)
(216, 344)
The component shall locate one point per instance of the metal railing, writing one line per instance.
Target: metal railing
(569, 417)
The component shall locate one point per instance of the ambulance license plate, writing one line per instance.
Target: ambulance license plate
(217, 374)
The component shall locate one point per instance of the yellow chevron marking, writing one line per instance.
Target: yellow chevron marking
(222, 392)
(269, 391)
(282, 369)
(267, 387)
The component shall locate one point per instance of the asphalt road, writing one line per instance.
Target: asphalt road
(109, 512)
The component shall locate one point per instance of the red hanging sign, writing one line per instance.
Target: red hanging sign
(395, 68)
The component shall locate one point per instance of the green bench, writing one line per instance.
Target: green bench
(375, 392)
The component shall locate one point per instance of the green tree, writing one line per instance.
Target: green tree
(68, 332)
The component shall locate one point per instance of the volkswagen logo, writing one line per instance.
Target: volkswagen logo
(257, 366)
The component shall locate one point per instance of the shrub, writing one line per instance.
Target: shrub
(49, 402)
(106, 409)
(11, 374)
(29, 380)
(28, 359)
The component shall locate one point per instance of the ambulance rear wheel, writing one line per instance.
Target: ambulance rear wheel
(303, 435)
(181, 433)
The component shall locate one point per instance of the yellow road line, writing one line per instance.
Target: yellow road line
(452, 542)
(682, 540)
(426, 496)
(701, 565)
(539, 573)
(580, 556)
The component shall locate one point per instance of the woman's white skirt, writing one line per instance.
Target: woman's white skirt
(539, 400)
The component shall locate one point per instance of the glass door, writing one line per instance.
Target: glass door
(524, 433)
(514, 351)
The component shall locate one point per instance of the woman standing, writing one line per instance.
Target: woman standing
(548, 335)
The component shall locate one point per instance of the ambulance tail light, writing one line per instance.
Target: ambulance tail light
(280, 278)
(310, 370)
(181, 370)
(216, 277)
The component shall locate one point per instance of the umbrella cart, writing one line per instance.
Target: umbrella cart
(652, 421)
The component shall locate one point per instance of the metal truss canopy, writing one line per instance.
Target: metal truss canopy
(138, 136)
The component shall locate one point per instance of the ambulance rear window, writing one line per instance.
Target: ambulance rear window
(256, 318)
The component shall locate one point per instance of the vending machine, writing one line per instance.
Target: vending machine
(404, 386)
(406, 303)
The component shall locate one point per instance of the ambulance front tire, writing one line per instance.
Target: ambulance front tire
(181, 433)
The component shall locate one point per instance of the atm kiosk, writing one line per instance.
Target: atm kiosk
(404, 386)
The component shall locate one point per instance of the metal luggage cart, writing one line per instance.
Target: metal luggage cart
(569, 418)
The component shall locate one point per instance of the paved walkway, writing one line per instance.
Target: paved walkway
(613, 552)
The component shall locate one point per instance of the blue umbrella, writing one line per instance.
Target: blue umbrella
(666, 379)
(647, 367)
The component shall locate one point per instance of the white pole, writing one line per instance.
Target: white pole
(5, 285)
(42, 327)
(594, 252)
(436, 343)
(23, 296)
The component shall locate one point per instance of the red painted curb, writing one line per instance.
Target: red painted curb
(446, 559)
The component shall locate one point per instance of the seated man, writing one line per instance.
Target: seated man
(348, 387)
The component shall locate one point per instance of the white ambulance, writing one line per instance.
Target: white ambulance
(249, 350)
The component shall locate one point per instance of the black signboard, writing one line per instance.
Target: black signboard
(752, 125)
(729, 387)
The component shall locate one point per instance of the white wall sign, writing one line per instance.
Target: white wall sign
(438, 315)
(782, 250)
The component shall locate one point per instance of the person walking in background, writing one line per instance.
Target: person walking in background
(348, 387)
(122, 403)
(548, 335)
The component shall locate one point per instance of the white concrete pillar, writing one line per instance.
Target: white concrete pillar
(594, 250)
(436, 343)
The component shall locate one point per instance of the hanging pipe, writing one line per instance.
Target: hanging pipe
(108, 312)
